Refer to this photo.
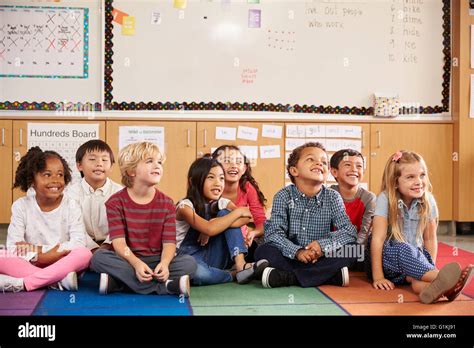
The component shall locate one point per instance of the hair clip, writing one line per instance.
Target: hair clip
(396, 157)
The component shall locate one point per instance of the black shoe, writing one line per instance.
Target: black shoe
(274, 278)
(254, 272)
(109, 284)
(341, 278)
(179, 286)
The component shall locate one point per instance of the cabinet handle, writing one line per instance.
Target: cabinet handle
(379, 138)
(363, 140)
(21, 136)
(188, 138)
(3, 136)
(205, 138)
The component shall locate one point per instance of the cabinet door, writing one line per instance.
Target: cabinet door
(20, 144)
(432, 141)
(6, 170)
(268, 172)
(180, 152)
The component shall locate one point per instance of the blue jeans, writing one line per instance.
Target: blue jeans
(214, 258)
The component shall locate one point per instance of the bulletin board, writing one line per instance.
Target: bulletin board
(320, 56)
(50, 55)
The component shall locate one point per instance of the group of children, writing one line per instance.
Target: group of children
(139, 241)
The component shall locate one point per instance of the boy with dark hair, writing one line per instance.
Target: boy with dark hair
(347, 167)
(94, 159)
(308, 232)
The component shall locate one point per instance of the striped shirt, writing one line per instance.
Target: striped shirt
(145, 227)
(298, 220)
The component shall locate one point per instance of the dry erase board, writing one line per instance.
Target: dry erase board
(320, 56)
(50, 55)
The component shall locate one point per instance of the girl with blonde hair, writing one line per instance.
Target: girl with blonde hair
(403, 246)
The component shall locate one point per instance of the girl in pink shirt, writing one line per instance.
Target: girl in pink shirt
(242, 189)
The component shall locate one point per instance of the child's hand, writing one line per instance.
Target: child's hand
(244, 212)
(51, 256)
(249, 238)
(161, 273)
(143, 272)
(315, 249)
(305, 256)
(203, 239)
(383, 284)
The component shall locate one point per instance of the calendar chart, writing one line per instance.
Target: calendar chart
(45, 42)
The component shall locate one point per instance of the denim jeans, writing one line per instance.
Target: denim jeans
(216, 257)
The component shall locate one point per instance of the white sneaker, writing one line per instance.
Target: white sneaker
(11, 284)
(69, 282)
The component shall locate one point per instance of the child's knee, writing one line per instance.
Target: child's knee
(223, 212)
(83, 254)
(188, 264)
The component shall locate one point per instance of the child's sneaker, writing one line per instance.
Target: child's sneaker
(108, 284)
(254, 272)
(69, 282)
(179, 286)
(11, 284)
(274, 278)
(341, 278)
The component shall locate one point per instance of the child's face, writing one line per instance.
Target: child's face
(350, 171)
(233, 163)
(49, 184)
(214, 184)
(95, 165)
(412, 181)
(312, 165)
(149, 171)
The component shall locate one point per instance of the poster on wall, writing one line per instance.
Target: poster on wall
(44, 42)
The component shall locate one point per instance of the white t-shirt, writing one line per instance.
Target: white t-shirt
(182, 227)
(92, 204)
(62, 225)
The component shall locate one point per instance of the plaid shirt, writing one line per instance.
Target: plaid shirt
(297, 220)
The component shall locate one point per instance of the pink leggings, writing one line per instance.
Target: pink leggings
(35, 277)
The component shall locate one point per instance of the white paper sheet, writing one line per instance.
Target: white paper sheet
(315, 131)
(292, 143)
(334, 145)
(270, 151)
(64, 138)
(272, 131)
(343, 132)
(247, 133)
(295, 131)
(130, 135)
(226, 133)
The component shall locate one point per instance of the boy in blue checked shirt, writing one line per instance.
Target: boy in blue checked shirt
(309, 237)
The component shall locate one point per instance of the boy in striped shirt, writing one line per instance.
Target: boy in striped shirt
(142, 229)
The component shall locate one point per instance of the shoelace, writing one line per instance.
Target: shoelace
(9, 287)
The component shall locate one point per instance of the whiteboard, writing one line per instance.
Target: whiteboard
(321, 53)
(50, 53)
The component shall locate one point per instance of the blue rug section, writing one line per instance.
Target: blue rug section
(88, 301)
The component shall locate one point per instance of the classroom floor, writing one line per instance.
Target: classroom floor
(252, 299)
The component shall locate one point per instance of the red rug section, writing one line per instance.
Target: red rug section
(448, 253)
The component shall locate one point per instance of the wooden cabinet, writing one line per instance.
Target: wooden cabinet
(6, 181)
(268, 172)
(433, 141)
(20, 144)
(180, 152)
